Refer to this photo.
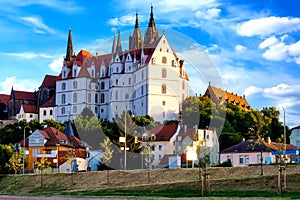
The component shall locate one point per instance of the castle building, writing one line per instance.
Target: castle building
(148, 79)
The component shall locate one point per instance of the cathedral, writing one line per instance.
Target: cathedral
(148, 79)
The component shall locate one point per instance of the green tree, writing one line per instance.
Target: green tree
(15, 164)
(51, 123)
(107, 155)
(42, 164)
(6, 152)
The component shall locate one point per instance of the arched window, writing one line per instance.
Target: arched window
(126, 96)
(74, 97)
(164, 89)
(164, 60)
(63, 110)
(64, 74)
(102, 98)
(164, 73)
(63, 86)
(74, 84)
(129, 81)
(63, 99)
(96, 98)
(102, 85)
(89, 97)
(74, 109)
(51, 112)
(96, 109)
(45, 112)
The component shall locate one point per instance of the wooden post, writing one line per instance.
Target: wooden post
(284, 179)
(208, 183)
(279, 180)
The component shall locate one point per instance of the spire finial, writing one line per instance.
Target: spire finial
(151, 21)
(136, 20)
(70, 51)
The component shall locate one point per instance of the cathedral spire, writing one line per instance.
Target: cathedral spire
(114, 46)
(151, 34)
(151, 21)
(136, 20)
(119, 44)
(70, 51)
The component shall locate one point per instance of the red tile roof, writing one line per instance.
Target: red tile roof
(49, 103)
(280, 146)
(49, 81)
(4, 98)
(23, 95)
(165, 160)
(164, 132)
(29, 108)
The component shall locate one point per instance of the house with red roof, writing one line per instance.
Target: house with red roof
(148, 79)
(27, 112)
(4, 98)
(47, 110)
(18, 98)
(54, 145)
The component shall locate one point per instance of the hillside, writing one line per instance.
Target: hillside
(162, 181)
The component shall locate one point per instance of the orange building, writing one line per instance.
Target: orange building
(218, 95)
(53, 145)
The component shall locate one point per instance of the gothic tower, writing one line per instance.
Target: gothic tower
(70, 51)
(151, 34)
(135, 40)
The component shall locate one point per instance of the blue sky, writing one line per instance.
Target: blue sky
(254, 45)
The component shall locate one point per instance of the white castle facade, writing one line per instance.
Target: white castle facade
(148, 79)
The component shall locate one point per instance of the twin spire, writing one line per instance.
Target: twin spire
(70, 50)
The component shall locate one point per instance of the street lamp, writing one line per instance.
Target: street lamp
(57, 163)
(24, 147)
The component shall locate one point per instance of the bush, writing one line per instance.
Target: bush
(226, 163)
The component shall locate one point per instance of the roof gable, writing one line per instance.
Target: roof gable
(49, 81)
(164, 132)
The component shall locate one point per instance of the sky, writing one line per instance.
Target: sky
(253, 46)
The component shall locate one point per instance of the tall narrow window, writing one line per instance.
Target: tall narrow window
(96, 98)
(183, 85)
(51, 112)
(129, 81)
(63, 86)
(89, 97)
(74, 97)
(63, 110)
(102, 98)
(116, 95)
(164, 73)
(74, 84)
(74, 109)
(164, 89)
(63, 99)
(102, 85)
(45, 112)
(164, 60)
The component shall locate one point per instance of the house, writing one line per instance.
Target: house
(148, 79)
(162, 138)
(54, 145)
(248, 152)
(18, 98)
(4, 98)
(46, 90)
(295, 137)
(27, 112)
(47, 110)
(218, 95)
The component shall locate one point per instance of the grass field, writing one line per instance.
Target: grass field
(181, 183)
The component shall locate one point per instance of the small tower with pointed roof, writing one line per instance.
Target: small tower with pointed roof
(119, 44)
(151, 34)
(135, 40)
(70, 50)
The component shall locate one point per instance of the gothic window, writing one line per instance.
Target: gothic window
(45, 112)
(164, 73)
(63, 110)
(63, 99)
(164, 60)
(164, 89)
(74, 84)
(102, 85)
(51, 112)
(142, 75)
(102, 98)
(64, 74)
(96, 98)
(96, 109)
(117, 81)
(116, 95)
(142, 92)
(63, 86)
(89, 97)
(74, 109)
(74, 97)
(129, 81)
(126, 96)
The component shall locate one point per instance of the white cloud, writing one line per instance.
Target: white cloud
(268, 42)
(268, 25)
(294, 49)
(18, 84)
(37, 24)
(27, 55)
(56, 64)
(239, 48)
(252, 90)
(126, 20)
(208, 14)
(277, 52)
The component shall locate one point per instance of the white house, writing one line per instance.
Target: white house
(27, 112)
(295, 137)
(46, 111)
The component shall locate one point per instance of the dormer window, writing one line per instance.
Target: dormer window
(64, 74)
(75, 73)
